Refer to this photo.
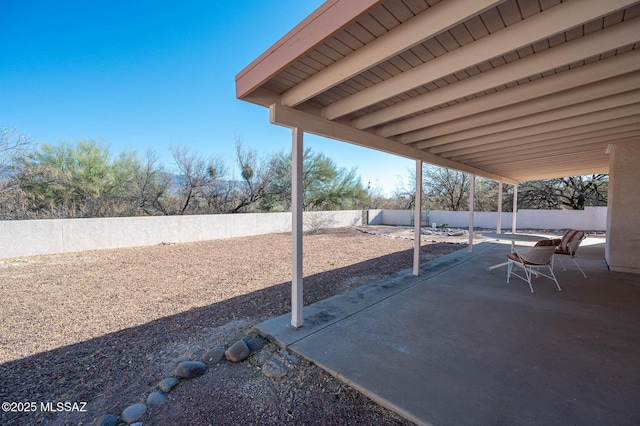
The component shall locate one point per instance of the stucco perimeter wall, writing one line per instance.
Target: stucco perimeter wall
(33, 237)
(589, 219)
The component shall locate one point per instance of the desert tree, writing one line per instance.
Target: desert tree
(378, 199)
(444, 189)
(447, 189)
(326, 186)
(199, 181)
(13, 147)
(144, 183)
(486, 195)
(404, 193)
(573, 192)
(257, 174)
(72, 180)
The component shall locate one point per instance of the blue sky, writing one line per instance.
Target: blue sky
(147, 74)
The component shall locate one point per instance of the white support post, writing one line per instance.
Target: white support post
(515, 209)
(499, 221)
(472, 190)
(417, 232)
(296, 227)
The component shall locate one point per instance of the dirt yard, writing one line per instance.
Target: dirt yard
(103, 327)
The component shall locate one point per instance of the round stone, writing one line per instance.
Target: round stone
(133, 412)
(166, 385)
(213, 356)
(157, 398)
(256, 344)
(106, 420)
(238, 352)
(190, 369)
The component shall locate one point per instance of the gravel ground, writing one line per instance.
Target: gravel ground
(103, 327)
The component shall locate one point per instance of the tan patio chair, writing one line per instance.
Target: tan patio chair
(531, 260)
(568, 246)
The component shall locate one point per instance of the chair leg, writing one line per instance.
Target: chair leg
(554, 277)
(561, 262)
(527, 271)
(574, 261)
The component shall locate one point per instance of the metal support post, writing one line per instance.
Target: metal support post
(296, 227)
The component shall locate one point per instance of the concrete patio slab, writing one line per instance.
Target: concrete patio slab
(461, 346)
(334, 309)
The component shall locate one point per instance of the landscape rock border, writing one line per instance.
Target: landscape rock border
(274, 363)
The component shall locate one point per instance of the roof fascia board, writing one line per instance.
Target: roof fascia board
(292, 118)
(262, 97)
(323, 23)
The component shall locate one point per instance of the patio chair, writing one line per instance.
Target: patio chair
(531, 260)
(568, 246)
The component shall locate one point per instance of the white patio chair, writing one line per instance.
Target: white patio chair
(531, 260)
(568, 246)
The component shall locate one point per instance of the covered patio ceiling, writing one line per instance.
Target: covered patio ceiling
(511, 90)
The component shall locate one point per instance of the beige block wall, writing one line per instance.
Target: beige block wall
(622, 250)
(32, 237)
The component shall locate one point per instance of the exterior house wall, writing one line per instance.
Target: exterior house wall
(622, 250)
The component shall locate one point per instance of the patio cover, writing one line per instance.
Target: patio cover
(510, 90)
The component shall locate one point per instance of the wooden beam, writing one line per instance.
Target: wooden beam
(619, 65)
(588, 112)
(538, 27)
(430, 22)
(604, 119)
(618, 127)
(289, 117)
(578, 49)
(541, 153)
(574, 142)
(584, 98)
(564, 172)
(587, 157)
